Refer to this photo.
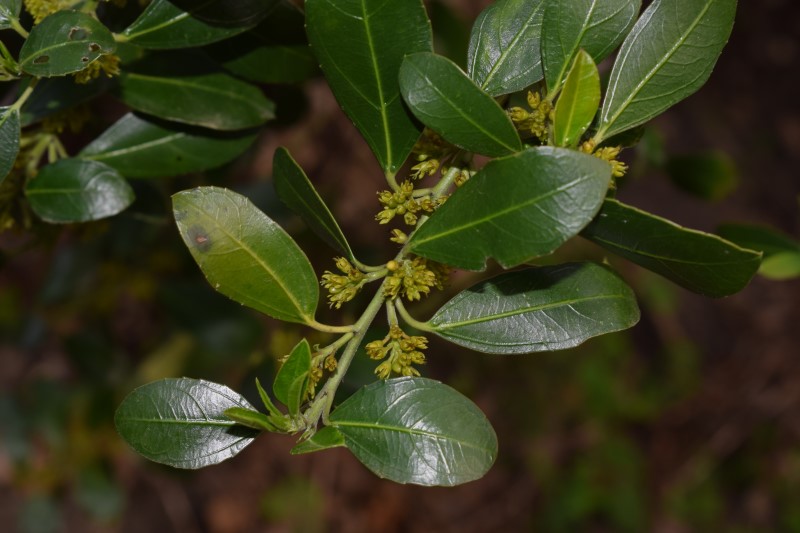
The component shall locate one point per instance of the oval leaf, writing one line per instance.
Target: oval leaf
(63, 43)
(504, 53)
(538, 309)
(360, 45)
(290, 382)
(9, 139)
(668, 55)
(141, 148)
(182, 422)
(448, 102)
(579, 101)
(700, 262)
(9, 10)
(73, 190)
(324, 439)
(245, 255)
(177, 87)
(597, 26)
(164, 25)
(549, 195)
(417, 430)
(297, 192)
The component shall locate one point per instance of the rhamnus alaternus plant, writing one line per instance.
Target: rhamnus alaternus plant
(549, 132)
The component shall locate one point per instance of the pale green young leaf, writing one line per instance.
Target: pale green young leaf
(668, 55)
(549, 195)
(504, 53)
(703, 263)
(579, 101)
(245, 255)
(324, 439)
(781, 266)
(360, 45)
(182, 422)
(290, 382)
(250, 418)
(538, 309)
(417, 430)
(9, 139)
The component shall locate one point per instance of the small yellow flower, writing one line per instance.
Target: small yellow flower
(107, 64)
(402, 350)
(342, 288)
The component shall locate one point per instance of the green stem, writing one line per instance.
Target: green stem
(330, 329)
(25, 94)
(17, 27)
(410, 320)
(392, 181)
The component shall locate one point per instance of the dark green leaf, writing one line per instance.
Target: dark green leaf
(274, 64)
(597, 26)
(759, 238)
(700, 262)
(163, 25)
(141, 148)
(297, 192)
(448, 102)
(53, 95)
(360, 45)
(178, 87)
(549, 195)
(538, 309)
(9, 10)
(290, 382)
(667, 56)
(242, 13)
(63, 43)
(416, 430)
(73, 190)
(781, 266)
(265, 399)
(251, 419)
(9, 139)
(578, 102)
(245, 255)
(182, 422)
(504, 50)
(707, 176)
(324, 439)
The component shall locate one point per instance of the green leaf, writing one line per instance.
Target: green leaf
(781, 266)
(142, 148)
(250, 418)
(668, 55)
(324, 439)
(163, 25)
(63, 43)
(9, 10)
(245, 255)
(182, 422)
(504, 53)
(417, 430)
(597, 26)
(297, 192)
(549, 195)
(242, 13)
(710, 176)
(265, 399)
(538, 309)
(9, 139)
(53, 95)
(579, 101)
(443, 98)
(180, 88)
(759, 238)
(700, 262)
(290, 382)
(73, 190)
(360, 45)
(273, 64)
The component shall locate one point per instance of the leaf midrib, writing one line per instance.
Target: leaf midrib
(107, 154)
(382, 427)
(504, 56)
(181, 82)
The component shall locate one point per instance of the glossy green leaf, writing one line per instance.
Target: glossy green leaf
(242, 13)
(9, 140)
(182, 422)
(9, 10)
(73, 190)
(549, 195)
(700, 262)
(538, 309)
(53, 95)
(324, 439)
(579, 101)
(781, 266)
(668, 55)
(245, 255)
(443, 98)
(759, 238)
(164, 25)
(504, 53)
(707, 176)
(63, 43)
(360, 45)
(179, 88)
(297, 192)
(141, 148)
(417, 430)
(274, 64)
(597, 26)
(292, 378)
(251, 419)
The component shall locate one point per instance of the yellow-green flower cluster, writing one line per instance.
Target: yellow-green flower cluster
(430, 146)
(342, 288)
(536, 120)
(402, 203)
(413, 278)
(40, 9)
(106, 64)
(608, 154)
(429, 167)
(402, 350)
